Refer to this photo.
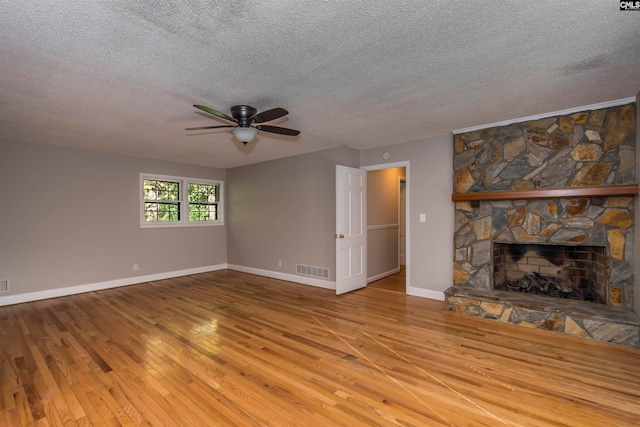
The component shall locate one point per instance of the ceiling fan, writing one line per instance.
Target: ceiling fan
(244, 117)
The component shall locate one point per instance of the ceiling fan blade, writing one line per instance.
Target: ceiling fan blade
(215, 113)
(210, 127)
(266, 116)
(278, 129)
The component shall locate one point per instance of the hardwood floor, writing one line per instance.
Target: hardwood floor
(396, 282)
(226, 348)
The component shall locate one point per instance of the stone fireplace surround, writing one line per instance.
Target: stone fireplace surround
(586, 149)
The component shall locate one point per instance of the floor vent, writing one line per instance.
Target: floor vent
(4, 285)
(307, 270)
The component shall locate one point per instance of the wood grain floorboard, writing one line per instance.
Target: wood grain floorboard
(233, 349)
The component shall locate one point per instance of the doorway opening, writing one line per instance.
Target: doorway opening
(387, 226)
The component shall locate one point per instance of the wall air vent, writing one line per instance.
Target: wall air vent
(4, 285)
(307, 270)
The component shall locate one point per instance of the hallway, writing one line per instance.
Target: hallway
(396, 282)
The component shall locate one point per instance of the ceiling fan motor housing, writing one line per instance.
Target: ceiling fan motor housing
(242, 113)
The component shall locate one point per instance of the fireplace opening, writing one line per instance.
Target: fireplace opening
(573, 272)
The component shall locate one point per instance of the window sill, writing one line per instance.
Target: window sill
(180, 224)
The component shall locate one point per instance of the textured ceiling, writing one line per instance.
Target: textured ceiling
(120, 76)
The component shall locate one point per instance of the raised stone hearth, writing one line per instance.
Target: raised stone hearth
(587, 149)
(533, 311)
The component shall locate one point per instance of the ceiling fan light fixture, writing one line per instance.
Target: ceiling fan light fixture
(245, 134)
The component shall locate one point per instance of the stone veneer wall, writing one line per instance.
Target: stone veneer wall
(590, 148)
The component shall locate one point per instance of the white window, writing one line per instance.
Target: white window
(167, 201)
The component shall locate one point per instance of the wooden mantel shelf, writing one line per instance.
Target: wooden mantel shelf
(549, 193)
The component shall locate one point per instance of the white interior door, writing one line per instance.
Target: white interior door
(351, 229)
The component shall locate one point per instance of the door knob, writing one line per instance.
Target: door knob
(339, 236)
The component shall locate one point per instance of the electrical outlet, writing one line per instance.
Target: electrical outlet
(135, 267)
(279, 263)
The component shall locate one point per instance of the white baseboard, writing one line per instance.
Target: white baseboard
(303, 280)
(426, 293)
(383, 275)
(417, 292)
(72, 290)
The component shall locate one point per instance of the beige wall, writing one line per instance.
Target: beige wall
(71, 217)
(429, 188)
(285, 210)
(89, 231)
(383, 222)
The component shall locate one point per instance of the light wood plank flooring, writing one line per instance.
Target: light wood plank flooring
(396, 282)
(226, 348)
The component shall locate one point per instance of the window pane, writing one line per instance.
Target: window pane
(203, 212)
(161, 212)
(161, 190)
(150, 212)
(150, 190)
(202, 193)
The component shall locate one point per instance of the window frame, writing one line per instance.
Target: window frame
(183, 189)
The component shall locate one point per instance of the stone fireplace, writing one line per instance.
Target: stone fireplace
(535, 256)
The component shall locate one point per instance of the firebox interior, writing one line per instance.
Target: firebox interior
(574, 272)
